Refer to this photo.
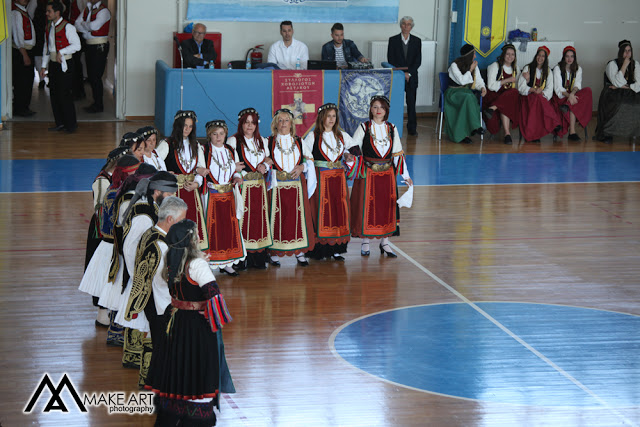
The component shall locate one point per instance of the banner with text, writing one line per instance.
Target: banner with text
(357, 87)
(300, 91)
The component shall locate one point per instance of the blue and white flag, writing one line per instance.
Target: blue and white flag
(357, 87)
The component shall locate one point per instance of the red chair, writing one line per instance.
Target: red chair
(217, 45)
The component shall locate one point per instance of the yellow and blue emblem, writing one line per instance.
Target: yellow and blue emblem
(485, 24)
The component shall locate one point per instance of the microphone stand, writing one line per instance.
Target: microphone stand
(181, 70)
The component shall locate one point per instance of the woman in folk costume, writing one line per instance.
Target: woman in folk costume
(96, 275)
(188, 367)
(501, 104)
(94, 238)
(290, 221)
(330, 202)
(619, 104)
(252, 152)
(537, 116)
(150, 136)
(571, 101)
(461, 107)
(182, 154)
(374, 211)
(222, 182)
(112, 294)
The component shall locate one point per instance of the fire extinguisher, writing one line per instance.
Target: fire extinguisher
(255, 55)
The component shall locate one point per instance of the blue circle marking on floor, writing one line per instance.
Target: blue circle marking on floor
(452, 349)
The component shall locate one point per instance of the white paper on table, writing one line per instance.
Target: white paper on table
(407, 198)
(239, 202)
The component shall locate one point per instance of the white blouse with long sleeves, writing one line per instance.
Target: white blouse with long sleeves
(252, 153)
(558, 84)
(492, 75)
(330, 146)
(466, 78)
(523, 87)
(617, 78)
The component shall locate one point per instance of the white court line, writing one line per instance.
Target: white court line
(515, 337)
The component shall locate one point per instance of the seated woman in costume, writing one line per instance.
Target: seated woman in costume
(501, 104)
(226, 246)
(252, 152)
(374, 211)
(330, 202)
(619, 104)
(461, 107)
(537, 116)
(150, 136)
(571, 101)
(291, 224)
(182, 154)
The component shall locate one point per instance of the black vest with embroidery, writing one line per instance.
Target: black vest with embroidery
(368, 149)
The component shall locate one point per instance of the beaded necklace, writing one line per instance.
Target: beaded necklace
(288, 150)
(257, 152)
(185, 160)
(223, 167)
(383, 142)
(336, 150)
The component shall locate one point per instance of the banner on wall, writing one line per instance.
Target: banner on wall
(485, 24)
(345, 11)
(356, 89)
(302, 92)
(4, 26)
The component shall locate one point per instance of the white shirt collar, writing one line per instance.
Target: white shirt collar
(405, 40)
(58, 21)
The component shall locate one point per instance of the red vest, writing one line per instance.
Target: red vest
(60, 35)
(26, 22)
(74, 12)
(102, 31)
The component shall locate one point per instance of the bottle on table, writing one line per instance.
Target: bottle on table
(297, 63)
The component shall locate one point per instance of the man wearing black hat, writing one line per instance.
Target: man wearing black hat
(405, 51)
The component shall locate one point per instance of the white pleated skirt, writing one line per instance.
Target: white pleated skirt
(97, 273)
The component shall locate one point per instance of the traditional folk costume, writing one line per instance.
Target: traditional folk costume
(619, 109)
(537, 116)
(24, 40)
(254, 224)
(96, 276)
(505, 97)
(567, 82)
(374, 211)
(154, 159)
(189, 369)
(184, 163)
(226, 245)
(461, 107)
(290, 212)
(330, 202)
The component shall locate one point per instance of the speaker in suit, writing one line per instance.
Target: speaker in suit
(409, 55)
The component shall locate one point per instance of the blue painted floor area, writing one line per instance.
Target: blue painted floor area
(453, 169)
(453, 350)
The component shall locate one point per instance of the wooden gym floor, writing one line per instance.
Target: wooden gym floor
(515, 299)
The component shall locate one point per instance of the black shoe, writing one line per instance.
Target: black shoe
(24, 113)
(274, 263)
(564, 108)
(467, 140)
(41, 85)
(102, 325)
(390, 254)
(608, 140)
(261, 266)
(93, 109)
(363, 252)
(56, 128)
(508, 140)
(302, 263)
(242, 265)
(70, 130)
(337, 257)
(534, 140)
(413, 133)
(232, 274)
(557, 129)
(573, 137)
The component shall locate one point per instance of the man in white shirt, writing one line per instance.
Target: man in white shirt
(94, 24)
(288, 54)
(24, 39)
(60, 43)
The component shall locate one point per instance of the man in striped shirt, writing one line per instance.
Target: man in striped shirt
(341, 50)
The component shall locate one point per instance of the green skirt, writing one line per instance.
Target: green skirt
(461, 113)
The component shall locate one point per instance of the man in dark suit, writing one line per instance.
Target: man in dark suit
(198, 52)
(405, 51)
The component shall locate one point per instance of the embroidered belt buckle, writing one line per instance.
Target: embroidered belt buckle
(183, 179)
(188, 305)
(253, 176)
(328, 165)
(284, 176)
(378, 167)
(220, 188)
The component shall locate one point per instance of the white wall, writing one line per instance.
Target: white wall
(150, 24)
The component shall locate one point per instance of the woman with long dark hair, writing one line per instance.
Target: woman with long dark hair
(326, 145)
(535, 84)
(619, 104)
(571, 101)
(461, 107)
(379, 158)
(501, 104)
(188, 366)
(182, 154)
(252, 153)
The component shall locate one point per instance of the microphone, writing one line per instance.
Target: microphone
(175, 39)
